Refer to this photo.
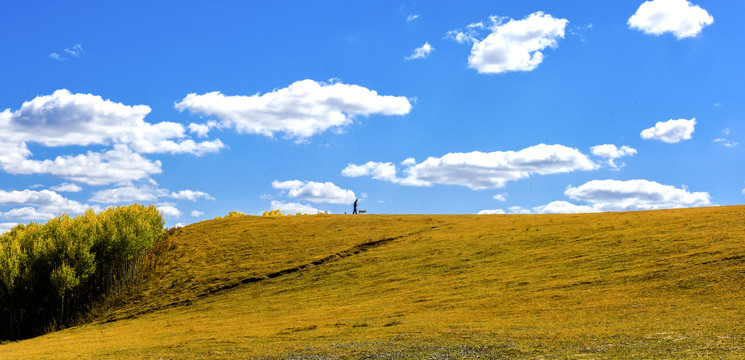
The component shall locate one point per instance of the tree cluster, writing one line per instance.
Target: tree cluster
(52, 273)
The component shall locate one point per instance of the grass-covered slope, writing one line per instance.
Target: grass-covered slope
(661, 284)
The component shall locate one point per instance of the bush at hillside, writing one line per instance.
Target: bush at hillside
(51, 273)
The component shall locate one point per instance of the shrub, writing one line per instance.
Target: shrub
(51, 273)
(273, 213)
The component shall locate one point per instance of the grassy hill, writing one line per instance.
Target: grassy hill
(658, 284)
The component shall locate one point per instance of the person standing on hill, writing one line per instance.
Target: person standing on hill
(355, 206)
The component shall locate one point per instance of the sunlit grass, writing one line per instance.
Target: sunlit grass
(662, 284)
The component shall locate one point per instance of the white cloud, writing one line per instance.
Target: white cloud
(191, 195)
(611, 152)
(512, 46)
(5, 227)
(29, 213)
(144, 194)
(563, 207)
(65, 119)
(671, 131)
(726, 142)
(301, 110)
(67, 187)
(169, 210)
(127, 194)
(500, 197)
(293, 208)
(491, 212)
(36, 198)
(617, 195)
(200, 129)
(412, 17)
(421, 52)
(408, 162)
(315, 192)
(472, 31)
(38, 205)
(74, 51)
(187, 146)
(518, 210)
(479, 170)
(377, 170)
(197, 213)
(119, 165)
(679, 17)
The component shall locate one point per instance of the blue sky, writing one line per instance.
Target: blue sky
(202, 108)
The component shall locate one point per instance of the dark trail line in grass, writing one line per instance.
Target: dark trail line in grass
(355, 250)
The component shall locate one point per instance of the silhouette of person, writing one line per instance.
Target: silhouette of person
(355, 206)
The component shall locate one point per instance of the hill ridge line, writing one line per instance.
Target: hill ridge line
(354, 250)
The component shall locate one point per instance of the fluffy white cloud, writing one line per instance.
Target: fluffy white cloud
(518, 210)
(612, 152)
(37, 205)
(144, 194)
(200, 129)
(479, 170)
(303, 109)
(617, 195)
(563, 207)
(5, 227)
(500, 197)
(191, 195)
(67, 187)
(421, 52)
(187, 146)
(293, 208)
(120, 165)
(169, 210)
(671, 131)
(491, 212)
(197, 213)
(38, 198)
(678, 17)
(64, 119)
(512, 46)
(408, 162)
(29, 213)
(126, 194)
(412, 17)
(377, 170)
(315, 192)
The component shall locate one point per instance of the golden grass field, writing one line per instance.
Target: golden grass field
(655, 284)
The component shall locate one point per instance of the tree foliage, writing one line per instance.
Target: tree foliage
(273, 213)
(51, 273)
